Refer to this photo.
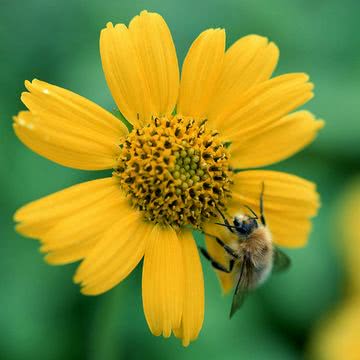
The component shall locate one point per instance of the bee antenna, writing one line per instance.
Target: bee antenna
(230, 227)
(226, 222)
(252, 211)
(219, 211)
(262, 217)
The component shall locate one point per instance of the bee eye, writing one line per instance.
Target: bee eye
(236, 222)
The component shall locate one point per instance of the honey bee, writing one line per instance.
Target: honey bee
(252, 256)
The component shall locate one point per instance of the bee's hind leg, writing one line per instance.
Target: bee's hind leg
(216, 264)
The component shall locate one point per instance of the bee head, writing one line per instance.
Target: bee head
(244, 225)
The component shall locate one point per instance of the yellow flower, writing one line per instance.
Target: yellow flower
(172, 169)
(338, 336)
(349, 231)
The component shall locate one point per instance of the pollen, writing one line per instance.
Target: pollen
(176, 171)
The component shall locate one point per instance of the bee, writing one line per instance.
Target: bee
(252, 256)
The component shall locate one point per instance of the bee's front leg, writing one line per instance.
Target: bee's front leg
(227, 248)
(216, 264)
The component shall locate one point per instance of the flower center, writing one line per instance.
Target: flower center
(176, 171)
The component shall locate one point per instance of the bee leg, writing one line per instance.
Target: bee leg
(262, 217)
(227, 248)
(215, 264)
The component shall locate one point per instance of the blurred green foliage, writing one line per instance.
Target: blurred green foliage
(42, 314)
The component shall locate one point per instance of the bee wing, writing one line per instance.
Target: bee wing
(281, 261)
(242, 286)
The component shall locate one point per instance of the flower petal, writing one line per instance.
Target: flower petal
(289, 203)
(73, 237)
(218, 253)
(337, 333)
(163, 281)
(261, 106)
(276, 141)
(115, 255)
(200, 73)
(193, 313)
(38, 217)
(69, 223)
(140, 67)
(123, 74)
(249, 61)
(348, 228)
(157, 54)
(67, 128)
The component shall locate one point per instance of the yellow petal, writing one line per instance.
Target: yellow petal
(123, 74)
(276, 141)
(163, 281)
(218, 253)
(71, 253)
(200, 73)
(140, 67)
(38, 217)
(260, 106)
(115, 255)
(67, 128)
(249, 61)
(157, 55)
(289, 203)
(193, 312)
(348, 228)
(338, 333)
(74, 237)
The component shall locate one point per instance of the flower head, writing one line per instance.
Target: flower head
(175, 171)
(174, 168)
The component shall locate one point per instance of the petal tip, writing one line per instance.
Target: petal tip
(320, 124)
(28, 84)
(91, 290)
(24, 95)
(76, 278)
(221, 32)
(47, 258)
(299, 76)
(274, 47)
(166, 333)
(185, 342)
(17, 215)
(18, 227)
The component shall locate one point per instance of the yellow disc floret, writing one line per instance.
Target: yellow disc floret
(175, 170)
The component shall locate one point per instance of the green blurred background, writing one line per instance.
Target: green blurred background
(42, 313)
